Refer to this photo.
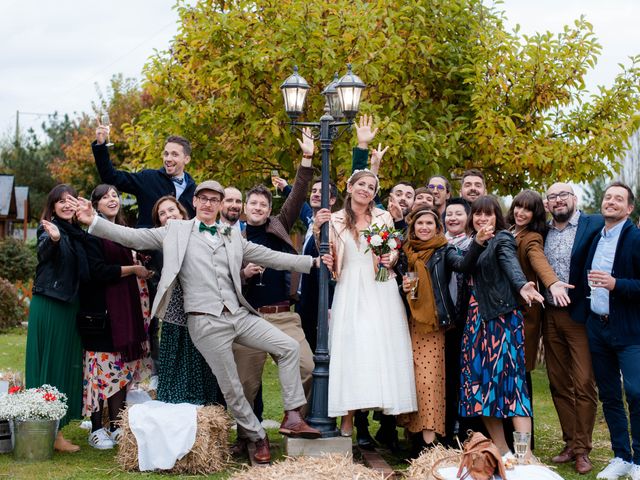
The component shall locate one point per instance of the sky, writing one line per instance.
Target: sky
(53, 54)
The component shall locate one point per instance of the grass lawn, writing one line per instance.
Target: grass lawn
(94, 464)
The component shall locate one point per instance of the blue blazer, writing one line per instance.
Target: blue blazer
(589, 227)
(624, 299)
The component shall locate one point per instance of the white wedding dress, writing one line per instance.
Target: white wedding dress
(371, 358)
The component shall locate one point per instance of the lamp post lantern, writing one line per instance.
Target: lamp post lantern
(342, 99)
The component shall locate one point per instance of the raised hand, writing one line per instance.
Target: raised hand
(530, 294)
(52, 230)
(102, 133)
(376, 158)
(394, 208)
(485, 234)
(306, 144)
(364, 131)
(84, 211)
(559, 293)
(279, 183)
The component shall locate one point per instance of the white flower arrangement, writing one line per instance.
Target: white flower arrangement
(43, 403)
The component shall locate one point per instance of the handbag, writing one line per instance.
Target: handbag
(481, 458)
(92, 323)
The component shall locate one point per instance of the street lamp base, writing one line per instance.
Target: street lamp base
(297, 447)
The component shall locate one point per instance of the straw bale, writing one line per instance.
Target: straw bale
(326, 467)
(210, 452)
(422, 467)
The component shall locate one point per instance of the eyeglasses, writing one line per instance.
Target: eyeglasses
(212, 200)
(436, 187)
(555, 196)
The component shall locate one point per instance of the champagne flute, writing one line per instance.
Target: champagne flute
(275, 174)
(592, 285)
(105, 121)
(413, 284)
(260, 284)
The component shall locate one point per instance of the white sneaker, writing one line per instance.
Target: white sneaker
(634, 473)
(116, 435)
(100, 439)
(85, 425)
(617, 468)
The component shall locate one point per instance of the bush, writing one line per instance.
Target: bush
(17, 260)
(11, 309)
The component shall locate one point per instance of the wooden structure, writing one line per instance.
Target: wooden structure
(14, 206)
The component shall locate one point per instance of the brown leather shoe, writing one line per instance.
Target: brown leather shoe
(293, 425)
(583, 464)
(565, 456)
(262, 454)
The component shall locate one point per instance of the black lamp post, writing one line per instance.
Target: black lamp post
(342, 101)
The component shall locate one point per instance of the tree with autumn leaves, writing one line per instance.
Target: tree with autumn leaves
(449, 86)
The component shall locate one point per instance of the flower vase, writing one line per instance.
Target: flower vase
(33, 439)
(5, 437)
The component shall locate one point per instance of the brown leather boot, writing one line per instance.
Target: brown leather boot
(583, 464)
(564, 456)
(262, 454)
(293, 425)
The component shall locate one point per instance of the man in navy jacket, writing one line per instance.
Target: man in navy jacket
(149, 185)
(613, 326)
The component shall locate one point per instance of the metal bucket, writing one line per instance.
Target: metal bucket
(5, 437)
(33, 439)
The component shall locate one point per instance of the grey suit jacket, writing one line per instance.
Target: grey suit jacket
(173, 240)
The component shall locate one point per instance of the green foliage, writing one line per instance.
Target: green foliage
(17, 260)
(449, 86)
(11, 312)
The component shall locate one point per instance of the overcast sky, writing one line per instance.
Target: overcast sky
(54, 53)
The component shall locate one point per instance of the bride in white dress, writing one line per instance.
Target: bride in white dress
(371, 363)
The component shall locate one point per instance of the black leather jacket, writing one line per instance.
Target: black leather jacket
(498, 278)
(443, 261)
(56, 272)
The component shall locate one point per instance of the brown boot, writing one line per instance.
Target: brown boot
(293, 425)
(565, 456)
(61, 444)
(262, 453)
(583, 464)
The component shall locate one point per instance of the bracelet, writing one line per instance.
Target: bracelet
(307, 156)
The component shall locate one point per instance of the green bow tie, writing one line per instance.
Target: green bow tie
(212, 229)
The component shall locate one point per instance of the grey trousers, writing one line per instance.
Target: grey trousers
(214, 337)
(250, 362)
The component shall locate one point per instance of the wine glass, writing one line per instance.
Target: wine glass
(275, 174)
(105, 121)
(592, 285)
(521, 445)
(260, 284)
(413, 284)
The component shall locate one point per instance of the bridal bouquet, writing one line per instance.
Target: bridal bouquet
(43, 403)
(381, 240)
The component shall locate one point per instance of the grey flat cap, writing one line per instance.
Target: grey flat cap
(210, 185)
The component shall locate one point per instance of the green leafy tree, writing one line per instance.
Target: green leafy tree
(450, 87)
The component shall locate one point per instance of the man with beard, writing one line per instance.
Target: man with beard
(308, 289)
(567, 355)
(472, 185)
(441, 190)
(613, 327)
(232, 208)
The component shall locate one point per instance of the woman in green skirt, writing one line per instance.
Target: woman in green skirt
(54, 351)
(183, 373)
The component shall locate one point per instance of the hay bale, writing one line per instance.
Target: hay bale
(210, 452)
(326, 467)
(422, 467)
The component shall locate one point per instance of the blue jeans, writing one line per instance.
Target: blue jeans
(609, 359)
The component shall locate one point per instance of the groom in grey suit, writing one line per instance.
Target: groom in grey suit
(207, 260)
